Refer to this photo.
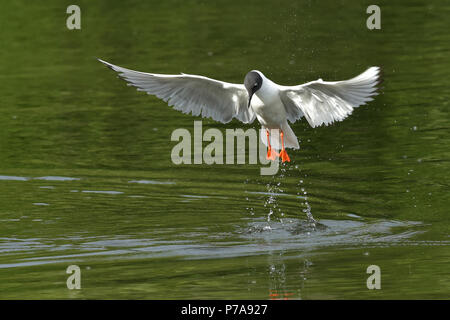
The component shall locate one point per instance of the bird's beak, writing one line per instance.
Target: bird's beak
(250, 95)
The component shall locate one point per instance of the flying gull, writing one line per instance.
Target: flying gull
(320, 102)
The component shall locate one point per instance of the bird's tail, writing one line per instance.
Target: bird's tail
(290, 139)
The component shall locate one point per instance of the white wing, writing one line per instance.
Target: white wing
(325, 102)
(198, 95)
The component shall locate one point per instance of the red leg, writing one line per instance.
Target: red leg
(283, 154)
(271, 154)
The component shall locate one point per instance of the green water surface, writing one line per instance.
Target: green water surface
(86, 176)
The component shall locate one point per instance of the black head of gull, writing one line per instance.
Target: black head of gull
(253, 82)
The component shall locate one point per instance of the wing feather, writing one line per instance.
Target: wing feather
(322, 102)
(193, 94)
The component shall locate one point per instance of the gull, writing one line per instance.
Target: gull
(319, 102)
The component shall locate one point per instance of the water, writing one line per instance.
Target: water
(86, 176)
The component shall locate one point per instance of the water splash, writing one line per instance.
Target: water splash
(306, 204)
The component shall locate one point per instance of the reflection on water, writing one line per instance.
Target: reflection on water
(151, 182)
(86, 176)
(15, 178)
(290, 234)
(104, 192)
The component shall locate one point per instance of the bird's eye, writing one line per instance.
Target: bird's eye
(255, 85)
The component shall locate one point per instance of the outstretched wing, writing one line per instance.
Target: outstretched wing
(324, 102)
(198, 95)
